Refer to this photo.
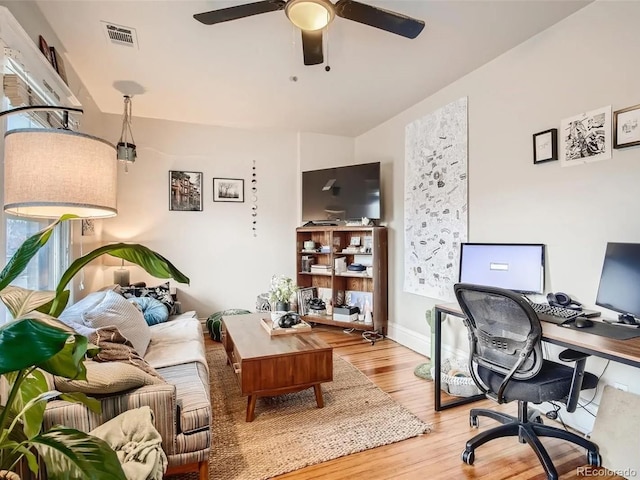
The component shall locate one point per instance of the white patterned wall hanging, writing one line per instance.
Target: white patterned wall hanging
(435, 200)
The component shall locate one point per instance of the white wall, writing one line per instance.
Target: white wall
(227, 265)
(580, 64)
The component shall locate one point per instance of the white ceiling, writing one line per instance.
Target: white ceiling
(239, 73)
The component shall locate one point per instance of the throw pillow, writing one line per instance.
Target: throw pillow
(114, 347)
(160, 292)
(72, 315)
(154, 311)
(115, 310)
(103, 378)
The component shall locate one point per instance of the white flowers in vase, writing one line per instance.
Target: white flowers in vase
(282, 289)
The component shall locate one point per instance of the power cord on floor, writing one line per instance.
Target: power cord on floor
(372, 337)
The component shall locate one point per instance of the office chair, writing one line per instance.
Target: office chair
(506, 363)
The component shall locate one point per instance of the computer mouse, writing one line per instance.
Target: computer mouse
(581, 322)
(628, 320)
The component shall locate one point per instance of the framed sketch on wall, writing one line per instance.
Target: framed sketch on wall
(586, 137)
(228, 190)
(545, 146)
(185, 191)
(626, 127)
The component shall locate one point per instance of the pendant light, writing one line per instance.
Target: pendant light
(126, 151)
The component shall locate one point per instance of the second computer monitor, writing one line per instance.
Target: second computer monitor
(514, 266)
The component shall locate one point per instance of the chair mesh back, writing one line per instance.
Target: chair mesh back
(501, 323)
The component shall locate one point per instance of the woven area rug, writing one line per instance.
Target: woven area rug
(290, 432)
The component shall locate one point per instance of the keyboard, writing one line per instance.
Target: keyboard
(558, 315)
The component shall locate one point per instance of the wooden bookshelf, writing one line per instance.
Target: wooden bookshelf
(371, 248)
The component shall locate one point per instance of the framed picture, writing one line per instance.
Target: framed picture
(626, 128)
(185, 191)
(46, 51)
(58, 64)
(88, 227)
(228, 190)
(586, 137)
(304, 295)
(545, 146)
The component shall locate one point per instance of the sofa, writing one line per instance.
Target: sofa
(169, 374)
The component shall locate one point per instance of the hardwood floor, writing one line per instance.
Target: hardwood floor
(435, 455)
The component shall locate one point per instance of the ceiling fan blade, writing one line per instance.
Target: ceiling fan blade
(239, 11)
(379, 18)
(312, 47)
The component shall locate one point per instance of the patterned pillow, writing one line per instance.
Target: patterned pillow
(160, 292)
(154, 311)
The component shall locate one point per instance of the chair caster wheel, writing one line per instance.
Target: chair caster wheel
(473, 421)
(468, 457)
(594, 459)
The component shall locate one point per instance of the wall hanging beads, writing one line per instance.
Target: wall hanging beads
(254, 200)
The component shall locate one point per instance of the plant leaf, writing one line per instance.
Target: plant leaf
(21, 301)
(153, 263)
(27, 251)
(68, 362)
(69, 453)
(56, 307)
(26, 342)
(33, 386)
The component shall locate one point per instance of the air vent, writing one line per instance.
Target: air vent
(120, 35)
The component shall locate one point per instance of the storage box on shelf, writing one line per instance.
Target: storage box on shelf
(366, 246)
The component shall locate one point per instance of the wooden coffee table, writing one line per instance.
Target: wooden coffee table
(273, 365)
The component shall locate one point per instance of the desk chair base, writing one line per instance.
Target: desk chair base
(527, 432)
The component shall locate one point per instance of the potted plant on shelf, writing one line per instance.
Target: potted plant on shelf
(280, 293)
(35, 341)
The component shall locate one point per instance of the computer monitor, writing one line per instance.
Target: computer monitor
(514, 266)
(619, 288)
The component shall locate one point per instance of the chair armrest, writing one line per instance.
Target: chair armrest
(160, 398)
(580, 360)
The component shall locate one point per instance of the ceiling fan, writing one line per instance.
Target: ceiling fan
(312, 16)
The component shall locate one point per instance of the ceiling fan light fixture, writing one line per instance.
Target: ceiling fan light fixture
(310, 14)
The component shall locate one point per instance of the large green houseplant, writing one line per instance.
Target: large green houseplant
(36, 341)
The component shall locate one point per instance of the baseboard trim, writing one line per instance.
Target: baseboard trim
(418, 342)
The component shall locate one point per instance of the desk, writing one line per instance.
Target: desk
(621, 351)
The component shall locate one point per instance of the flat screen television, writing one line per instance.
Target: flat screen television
(341, 193)
(514, 266)
(619, 288)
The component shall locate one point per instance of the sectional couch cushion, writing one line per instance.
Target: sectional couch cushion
(114, 310)
(105, 378)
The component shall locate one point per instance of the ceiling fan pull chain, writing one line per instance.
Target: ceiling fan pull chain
(327, 67)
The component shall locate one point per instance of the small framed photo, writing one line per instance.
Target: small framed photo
(58, 64)
(626, 127)
(228, 190)
(88, 227)
(304, 295)
(185, 191)
(545, 146)
(46, 51)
